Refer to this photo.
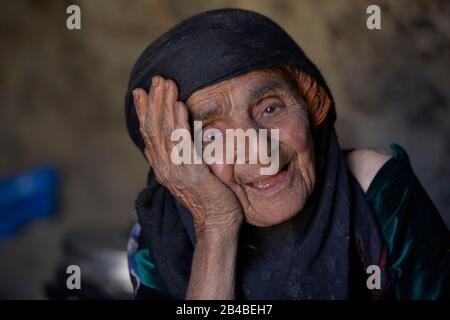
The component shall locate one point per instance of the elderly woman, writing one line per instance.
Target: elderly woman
(328, 224)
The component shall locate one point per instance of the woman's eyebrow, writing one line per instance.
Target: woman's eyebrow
(208, 112)
(268, 86)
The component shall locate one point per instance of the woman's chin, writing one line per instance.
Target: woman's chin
(263, 214)
(271, 207)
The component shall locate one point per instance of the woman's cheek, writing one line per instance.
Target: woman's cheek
(294, 134)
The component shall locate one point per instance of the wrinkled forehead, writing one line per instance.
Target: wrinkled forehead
(240, 89)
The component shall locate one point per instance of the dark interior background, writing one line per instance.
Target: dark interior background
(62, 101)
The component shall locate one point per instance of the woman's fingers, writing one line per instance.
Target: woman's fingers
(170, 97)
(159, 114)
(148, 107)
(155, 108)
(181, 116)
(140, 99)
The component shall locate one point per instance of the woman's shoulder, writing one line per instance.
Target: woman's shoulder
(364, 163)
(414, 232)
(388, 182)
(381, 171)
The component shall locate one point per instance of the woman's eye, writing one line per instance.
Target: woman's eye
(210, 137)
(271, 109)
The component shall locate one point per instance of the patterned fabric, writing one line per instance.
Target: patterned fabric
(142, 269)
(132, 250)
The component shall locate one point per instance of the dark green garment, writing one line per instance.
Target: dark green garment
(417, 239)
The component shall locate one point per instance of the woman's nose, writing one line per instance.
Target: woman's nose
(247, 138)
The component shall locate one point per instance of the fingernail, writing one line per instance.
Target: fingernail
(155, 81)
(135, 95)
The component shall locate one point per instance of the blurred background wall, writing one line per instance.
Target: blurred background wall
(62, 100)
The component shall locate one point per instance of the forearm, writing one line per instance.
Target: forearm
(213, 267)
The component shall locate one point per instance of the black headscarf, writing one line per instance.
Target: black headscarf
(306, 257)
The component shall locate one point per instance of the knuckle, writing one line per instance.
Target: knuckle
(170, 82)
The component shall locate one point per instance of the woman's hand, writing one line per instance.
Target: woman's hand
(214, 207)
(216, 211)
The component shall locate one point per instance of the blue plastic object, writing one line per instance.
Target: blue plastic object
(25, 197)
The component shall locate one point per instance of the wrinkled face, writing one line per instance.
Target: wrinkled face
(260, 100)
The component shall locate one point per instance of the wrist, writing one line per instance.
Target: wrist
(218, 234)
(224, 230)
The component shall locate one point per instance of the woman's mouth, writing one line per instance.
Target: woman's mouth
(275, 182)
